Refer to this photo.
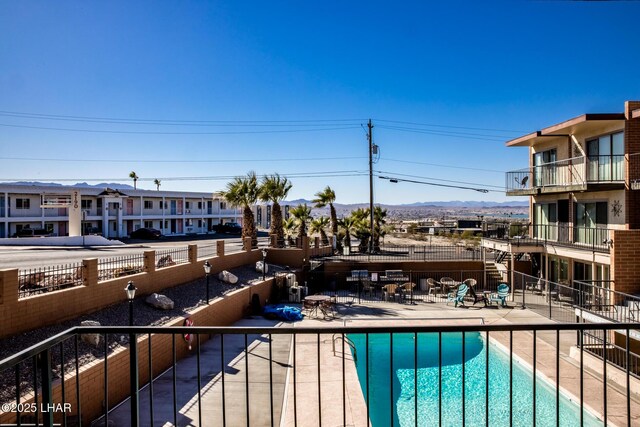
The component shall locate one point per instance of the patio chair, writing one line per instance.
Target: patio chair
(458, 295)
(406, 290)
(389, 291)
(501, 295)
(448, 283)
(326, 307)
(308, 306)
(433, 285)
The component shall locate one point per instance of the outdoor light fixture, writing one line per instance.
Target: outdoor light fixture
(264, 263)
(207, 270)
(131, 294)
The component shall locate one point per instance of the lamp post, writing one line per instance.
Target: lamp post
(264, 263)
(131, 294)
(207, 270)
(133, 358)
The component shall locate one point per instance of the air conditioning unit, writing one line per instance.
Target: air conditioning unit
(294, 294)
(291, 280)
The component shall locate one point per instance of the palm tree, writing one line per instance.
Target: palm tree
(379, 221)
(243, 192)
(302, 215)
(134, 177)
(157, 183)
(324, 198)
(319, 225)
(289, 229)
(362, 229)
(348, 224)
(274, 189)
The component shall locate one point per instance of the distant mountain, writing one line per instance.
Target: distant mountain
(469, 204)
(79, 184)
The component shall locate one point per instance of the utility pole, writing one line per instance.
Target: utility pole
(370, 126)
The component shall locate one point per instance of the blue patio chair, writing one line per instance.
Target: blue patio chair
(458, 295)
(501, 296)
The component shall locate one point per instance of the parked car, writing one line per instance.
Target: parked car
(228, 228)
(146, 234)
(32, 232)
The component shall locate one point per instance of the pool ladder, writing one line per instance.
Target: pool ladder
(347, 341)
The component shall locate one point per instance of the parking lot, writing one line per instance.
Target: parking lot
(38, 256)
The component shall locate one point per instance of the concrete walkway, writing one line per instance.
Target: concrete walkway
(235, 390)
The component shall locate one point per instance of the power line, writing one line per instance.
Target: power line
(466, 135)
(394, 179)
(441, 179)
(449, 126)
(90, 119)
(179, 161)
(180, 133)
(443, 166)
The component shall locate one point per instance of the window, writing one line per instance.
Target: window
(187, 205)
(148, 224)
(223, 205)
(545, 174)
(606, 157)
(545, 221)
(199, 205)
(148, 204)
(591, 222)
(86, 204)
(189, 222)
(166, 223)
(199, 223)
(23, 204)
(99, 204)
(166, 204)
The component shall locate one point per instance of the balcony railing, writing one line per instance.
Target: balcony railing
(574, 172)
(563, 234)
(465, 367)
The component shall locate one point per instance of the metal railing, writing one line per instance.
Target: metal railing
(207, 251)
(237, 383)
(405, 287)
(125, 265)
(606, 168)
(410, 253)
(169, 257)
(562, 234)
(35, 281)
(634, 171)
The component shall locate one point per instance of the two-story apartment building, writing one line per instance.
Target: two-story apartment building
(111, 212)
(583, 184)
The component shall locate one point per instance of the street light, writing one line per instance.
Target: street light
(131, 294)
(264, 263)
(207, 270)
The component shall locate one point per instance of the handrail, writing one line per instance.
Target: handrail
(348, 341)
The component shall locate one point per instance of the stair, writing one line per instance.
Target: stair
(493, 274)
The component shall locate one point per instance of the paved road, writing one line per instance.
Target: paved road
(37, 256)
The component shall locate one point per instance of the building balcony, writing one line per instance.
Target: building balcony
(575, 174)
(558, 234)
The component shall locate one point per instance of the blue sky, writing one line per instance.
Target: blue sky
(471, 74)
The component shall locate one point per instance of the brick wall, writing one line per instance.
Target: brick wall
(625, 260)
(631, 146)
(19, 315)
(223, 311)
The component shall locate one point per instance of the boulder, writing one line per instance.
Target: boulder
(260, 265)
(227, 277)
(162, 302)
(91, 339)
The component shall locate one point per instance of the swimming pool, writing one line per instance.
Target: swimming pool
(401, 403)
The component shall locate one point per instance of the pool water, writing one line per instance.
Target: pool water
(399, 402)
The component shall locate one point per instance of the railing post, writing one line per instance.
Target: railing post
(549, 296)
(133, 378)
(149, 261)
(44, 366)
(192, 251)
(90, 276)
(220, 248)
(524, 290)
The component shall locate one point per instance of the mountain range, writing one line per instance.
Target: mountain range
(450, 204)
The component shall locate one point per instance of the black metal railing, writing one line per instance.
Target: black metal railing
(169, 257)
(237, 377)
(124, 265)
(409, 287)
(399, 253)
(38, 280)
(561, 173)
(563, 234)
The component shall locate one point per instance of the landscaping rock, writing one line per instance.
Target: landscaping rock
(91, 339)
(227, 277)
(160, 301)
(259, 267)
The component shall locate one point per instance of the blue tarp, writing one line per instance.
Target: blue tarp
(283, 312)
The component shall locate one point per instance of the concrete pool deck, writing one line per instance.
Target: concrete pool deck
(333, 410)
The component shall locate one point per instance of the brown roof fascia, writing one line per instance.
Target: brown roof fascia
(564, 125)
